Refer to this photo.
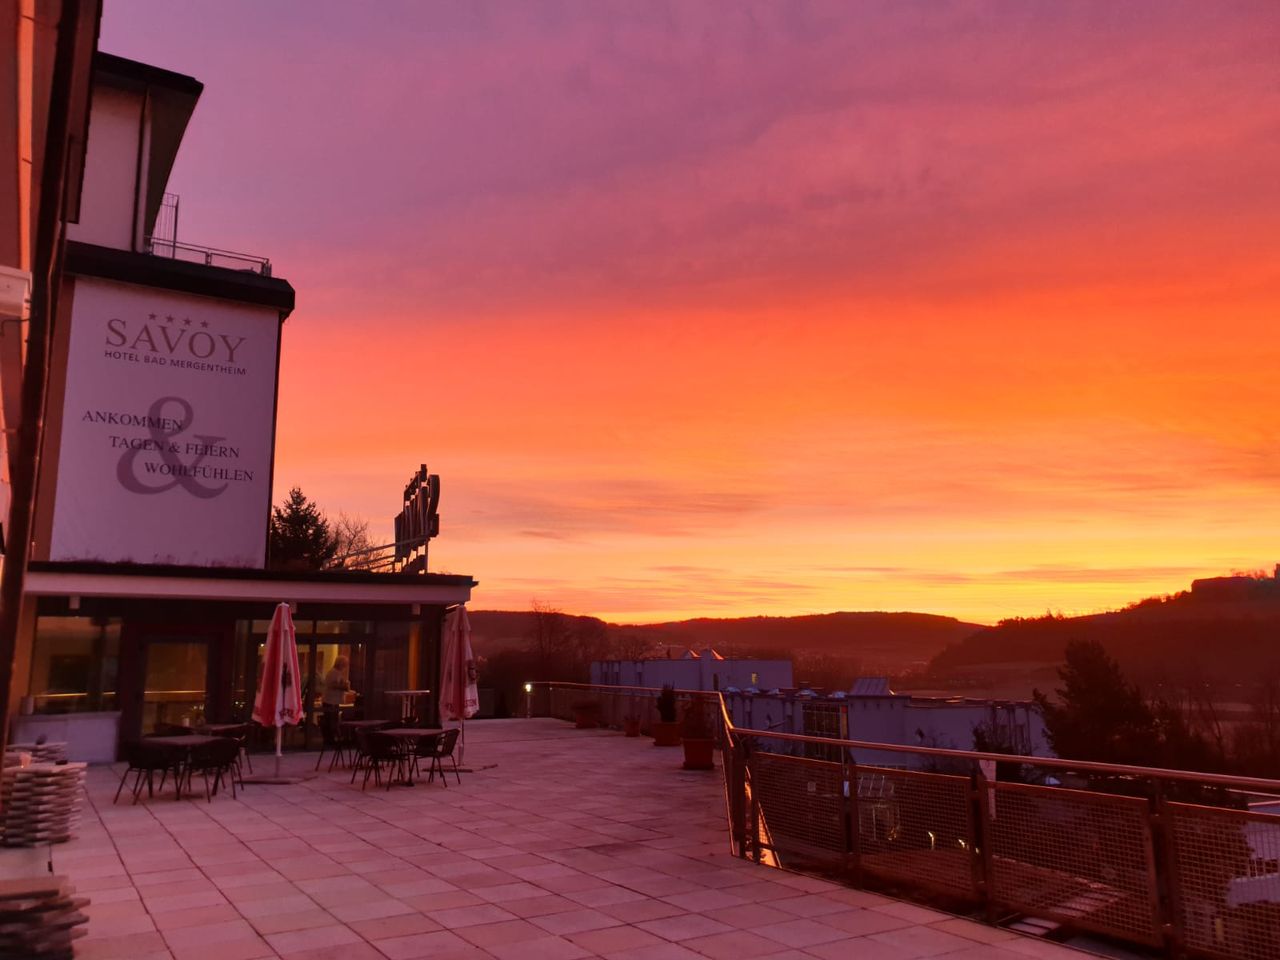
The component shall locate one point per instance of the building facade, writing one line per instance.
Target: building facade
(872, 712)
(147, 596)
(694, 670)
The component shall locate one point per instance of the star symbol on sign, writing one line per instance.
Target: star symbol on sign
(151, 316)
(186, 321)
(168, 318)
(204, 323)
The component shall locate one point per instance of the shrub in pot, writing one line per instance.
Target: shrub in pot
(699, 745)
(586, 714)
(666, 731)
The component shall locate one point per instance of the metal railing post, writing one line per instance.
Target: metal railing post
(981, 840)
(852, 817)
(1165, 882)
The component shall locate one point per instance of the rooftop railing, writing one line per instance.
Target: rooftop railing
(209, 256)
(1181, 862)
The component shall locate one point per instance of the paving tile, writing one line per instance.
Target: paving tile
(576, 921)
(508, 931)
(859, 948)
(801, 932)
(437, 944)
(470, 916)
(295, 941)
(660, 951)
(287, 922)
(399, 925)
(684, 927)
(614, 939)
(539, 906)
(973, 930)
(863, 923)
(738, 945)
(544, 948)
(638, 911)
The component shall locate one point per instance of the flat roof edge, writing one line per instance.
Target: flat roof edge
(148, 270)
(44, 583)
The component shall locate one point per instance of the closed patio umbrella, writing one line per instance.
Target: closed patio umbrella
(458, 696)
(279, 699)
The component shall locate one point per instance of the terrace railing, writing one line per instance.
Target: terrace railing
(1172, 860)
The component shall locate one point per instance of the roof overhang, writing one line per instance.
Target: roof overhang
(43, 580)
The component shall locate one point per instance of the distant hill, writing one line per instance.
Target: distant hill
(881, 641)
(1223, 631)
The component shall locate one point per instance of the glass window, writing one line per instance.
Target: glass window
(174, 691)
(74, 662)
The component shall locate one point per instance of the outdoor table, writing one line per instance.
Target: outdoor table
(184, 745)
(404, 735)
(219, 729)
(407, 699)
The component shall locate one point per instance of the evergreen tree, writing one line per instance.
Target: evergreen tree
(300, 535)
(1099, 715)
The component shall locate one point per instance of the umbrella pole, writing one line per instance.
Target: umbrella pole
(279, 731)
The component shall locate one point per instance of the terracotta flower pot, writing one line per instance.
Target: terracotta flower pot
(586, 718)
(699, 754)
(666, 734)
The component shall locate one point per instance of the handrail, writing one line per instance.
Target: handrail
(1257, 784)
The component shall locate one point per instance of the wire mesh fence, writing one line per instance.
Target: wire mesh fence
(1227, 869)
(1107, 855)
(1079, 858)
(917, 828)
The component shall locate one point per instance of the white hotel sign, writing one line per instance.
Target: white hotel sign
(167, 429)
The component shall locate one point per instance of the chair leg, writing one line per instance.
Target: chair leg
(454, 761)
(321, 757)
(122, 780)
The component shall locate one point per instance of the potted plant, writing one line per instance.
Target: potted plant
(631, 725)
(666, 731)
(586, 714)
(695, 729)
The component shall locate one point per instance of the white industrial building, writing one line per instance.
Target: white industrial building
(694, 670)
(871, 711)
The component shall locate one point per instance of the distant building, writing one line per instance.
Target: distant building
(871, 711)
(687, 670)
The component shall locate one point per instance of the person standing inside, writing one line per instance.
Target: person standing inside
(336, 687)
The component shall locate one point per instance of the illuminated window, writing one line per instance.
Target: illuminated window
(74, 661)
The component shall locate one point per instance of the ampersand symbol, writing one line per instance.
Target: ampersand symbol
(179, 472)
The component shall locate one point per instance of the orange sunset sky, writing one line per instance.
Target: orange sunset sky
(731, 308)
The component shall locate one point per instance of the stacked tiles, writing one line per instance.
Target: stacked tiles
(39, 918)
(48, 751)
(40, 803)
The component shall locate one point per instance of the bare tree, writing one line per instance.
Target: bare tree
(356, 548)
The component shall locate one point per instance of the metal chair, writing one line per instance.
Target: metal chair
(221, 758)
(379, 750)
(144, 760)
(441, 747)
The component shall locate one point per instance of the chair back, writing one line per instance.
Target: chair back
(145, 756)
(379, 746)
(222, 751)
(447, 741)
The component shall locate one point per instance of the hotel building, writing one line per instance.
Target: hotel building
(147, 595)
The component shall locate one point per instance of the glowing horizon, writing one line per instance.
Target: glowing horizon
(964, 309)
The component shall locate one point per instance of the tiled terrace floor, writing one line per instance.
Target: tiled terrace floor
(561, 844)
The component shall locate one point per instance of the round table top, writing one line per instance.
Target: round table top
(411, 731)
(186, 740)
